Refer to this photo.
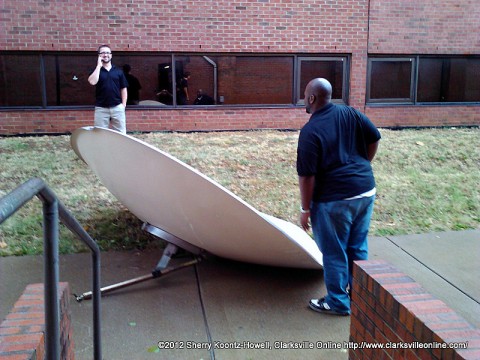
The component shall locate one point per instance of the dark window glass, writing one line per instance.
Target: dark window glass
(448, 80)
(390, 80)
(66, 80)
(225, 79)
(20, 83)
(332, 70)
(231, 79)
(254, 79)
(202, 72)
(154, 73)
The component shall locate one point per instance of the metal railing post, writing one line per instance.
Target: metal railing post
(52, 211)
(50, 265)
(74, 226)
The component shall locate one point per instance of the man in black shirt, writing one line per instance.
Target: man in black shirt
(337, 188)
(182, 89)
(203, 99)
(110, 92)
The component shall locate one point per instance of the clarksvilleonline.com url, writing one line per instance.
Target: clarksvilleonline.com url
(406, 345)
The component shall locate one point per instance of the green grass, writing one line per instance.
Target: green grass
(427, 180)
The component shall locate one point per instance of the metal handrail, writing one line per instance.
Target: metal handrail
(53, 209)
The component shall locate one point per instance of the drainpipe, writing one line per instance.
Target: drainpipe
(215, 71)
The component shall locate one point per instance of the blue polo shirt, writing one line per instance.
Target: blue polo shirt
(332, 146)
(107, 90)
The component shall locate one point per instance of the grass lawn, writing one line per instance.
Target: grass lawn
(427, 180)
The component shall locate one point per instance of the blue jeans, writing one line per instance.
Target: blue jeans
(340, 229)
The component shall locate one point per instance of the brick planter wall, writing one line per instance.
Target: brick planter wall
(391, 309)
(22, 333)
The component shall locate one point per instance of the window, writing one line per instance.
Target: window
(61, 79)
(66, 80)
(20, 80)
(390, 80)
(203, 76)
(332, 69)
(448, 80)
(154, 73)
(254, 80)
(424, 80)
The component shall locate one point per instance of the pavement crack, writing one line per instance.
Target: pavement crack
(204, 314)
(432, 270)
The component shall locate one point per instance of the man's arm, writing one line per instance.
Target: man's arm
(372, 150)
(95, 75)
(124, 94)
(306, 185)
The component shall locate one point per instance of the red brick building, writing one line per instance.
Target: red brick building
(403, 63)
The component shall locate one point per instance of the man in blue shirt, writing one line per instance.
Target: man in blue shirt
(337, 189)
(110, 92)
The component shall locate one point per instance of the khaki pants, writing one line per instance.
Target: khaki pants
(115, 115)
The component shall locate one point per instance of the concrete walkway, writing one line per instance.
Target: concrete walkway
(230, 304)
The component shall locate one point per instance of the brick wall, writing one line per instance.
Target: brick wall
(58, 121)
(424, 27)
(192, 26)
(252, 26)
(22, 333)
(356, 27)
(66, 121)
(390, 307)
(406, 116)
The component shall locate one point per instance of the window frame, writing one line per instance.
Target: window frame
(298, 93)
(390, 101)
(442, 57)
(414, 81)
(41, 84)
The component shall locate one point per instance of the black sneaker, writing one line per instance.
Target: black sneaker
(321, 306)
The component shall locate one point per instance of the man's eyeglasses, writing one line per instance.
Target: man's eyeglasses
(105, 53)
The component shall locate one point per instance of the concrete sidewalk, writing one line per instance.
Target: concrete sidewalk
(230, 304)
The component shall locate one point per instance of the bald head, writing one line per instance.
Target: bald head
(318, 93)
